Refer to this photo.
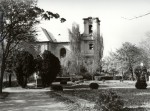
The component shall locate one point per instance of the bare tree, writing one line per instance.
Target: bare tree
(98, 51)
(75, 39)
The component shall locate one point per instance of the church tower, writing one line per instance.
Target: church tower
(91, 25)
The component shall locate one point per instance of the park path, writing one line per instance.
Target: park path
(30, 100)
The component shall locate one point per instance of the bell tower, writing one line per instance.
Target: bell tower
(91, 25)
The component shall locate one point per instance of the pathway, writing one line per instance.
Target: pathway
(30, 100)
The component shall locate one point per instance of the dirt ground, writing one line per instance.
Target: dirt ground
(30, 100)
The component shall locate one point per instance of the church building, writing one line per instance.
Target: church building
(61, 49)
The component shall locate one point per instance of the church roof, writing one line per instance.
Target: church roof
(49, 35)
(45, 35)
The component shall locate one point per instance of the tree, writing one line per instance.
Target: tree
(28, 46)
(98, 51)
(145, 46)
(24, 67)
(129, 56)
(75, 42)
(110, 64)
(50, 68)
(20, 16)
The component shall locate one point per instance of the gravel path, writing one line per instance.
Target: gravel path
(30, 100)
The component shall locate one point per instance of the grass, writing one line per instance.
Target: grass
(4, 95)
(135, 99)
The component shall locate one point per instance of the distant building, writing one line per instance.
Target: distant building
(61, 49)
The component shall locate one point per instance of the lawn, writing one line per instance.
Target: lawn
(77, 94)
(135, 99)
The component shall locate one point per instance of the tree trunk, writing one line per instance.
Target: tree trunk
(9, 80)
(122, 75)
(113, 76)
(132, 74)
(24, 82)
(2, 74)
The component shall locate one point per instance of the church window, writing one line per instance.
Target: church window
(62, 52)
(90, 29)
(91, 46)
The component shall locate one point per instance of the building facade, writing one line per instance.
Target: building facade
(62, 49)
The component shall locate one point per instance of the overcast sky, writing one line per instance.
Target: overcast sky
(114, 28)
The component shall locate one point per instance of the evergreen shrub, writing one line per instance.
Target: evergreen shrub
(140, 73)
(50, 68)
(23, 67)
(93, 85)
(141, 84)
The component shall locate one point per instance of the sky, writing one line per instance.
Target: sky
(114, 28)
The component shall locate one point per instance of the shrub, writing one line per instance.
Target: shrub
(73, 80)
(109, 101)
(106, 78)
(94, 86)
(50, 68)
(23, 67)
(59, 79)
(63, 82)
(56, 88)
(141, 84)
(87, 76)
(140, 75)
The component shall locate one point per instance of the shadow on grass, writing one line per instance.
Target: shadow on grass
(4, 95)
(136, 109)
(58, 97)
(34, 87)
(80, 86)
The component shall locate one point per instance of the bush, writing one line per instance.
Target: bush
(87, 76)
(94, 86)
(56, 88)
(59, 79)
(23, 67)
(140, 75)
(50, 68)
(63, 82)
(141, 84)
(109, 101)
(106, 77)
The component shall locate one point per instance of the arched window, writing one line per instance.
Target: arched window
(62, 52)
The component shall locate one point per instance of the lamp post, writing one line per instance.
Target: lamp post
(141, 64)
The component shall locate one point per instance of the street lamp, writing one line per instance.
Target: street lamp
(141, 64)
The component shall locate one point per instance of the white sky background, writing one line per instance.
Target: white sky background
(114, 28)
